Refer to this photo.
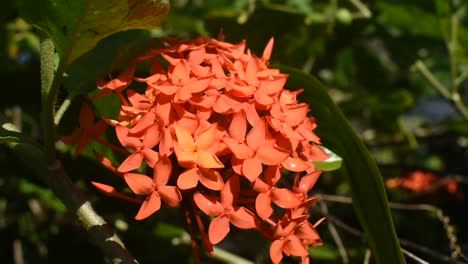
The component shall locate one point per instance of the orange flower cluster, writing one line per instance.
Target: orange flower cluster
(421, 181)
(219, 132)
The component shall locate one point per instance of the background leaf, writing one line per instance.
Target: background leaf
(369, 198)
(77, 26)
(108, 55)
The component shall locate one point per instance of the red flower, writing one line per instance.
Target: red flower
(88, 130)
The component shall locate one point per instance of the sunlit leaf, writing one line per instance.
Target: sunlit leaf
(77, 26)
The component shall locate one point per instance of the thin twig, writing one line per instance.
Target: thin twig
(229, 258)
(367, 256)
(362, 8)
(408, 244)
(412, 256)
(422, 68)
(334, 233)
(18, 257)
(61, 111)
(445, 220)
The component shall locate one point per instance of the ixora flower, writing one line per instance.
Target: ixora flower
(217, 131)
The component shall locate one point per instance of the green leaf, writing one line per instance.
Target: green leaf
(77, 26)
(108, 55)
(368, 192)
(410, 18)
(332, 163)
(8, 135)
(46, 195)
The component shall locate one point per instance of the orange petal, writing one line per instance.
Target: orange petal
(276, 251)
(184, 138)
(180, 71)
(132, 162)
(104, 188)
(274, 86)
(293, 246)
(242, 218)
(230, 191)
(251, 72)
(284, 198)
(149, 206)
(260, 186)
(308, 134)
(296, 114)
(207, 137)
(252, 115)
(138, 101)
(317, 153)
(272, 155)
(152, 136)
(241, 151)
(146, 121)
(263, 205)
(296, 164)
(197, 56)
(186, 159)
(272, 175)
(209, 205)
(263, 98)
(238, 126)
(104, 161)
(218, 230)
(308, 181)
(151, 156)
(188, 179)
(166, 144)
(140, 184)
(211, 179)
(267, 51)
(206, 159)
(257, 135)
(125, 140)
(307, 232)
(251, 169)
(165, 89)
(170, 195)
(198, 85)
(240, 90)
(162, 171)
(237, 165)
(111, 191)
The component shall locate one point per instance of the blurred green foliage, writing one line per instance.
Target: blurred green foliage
(364, 51)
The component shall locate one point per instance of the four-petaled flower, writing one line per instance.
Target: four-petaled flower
(224, 212)
(155, 189)
(88, 130)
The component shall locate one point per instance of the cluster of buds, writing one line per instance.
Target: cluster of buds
(218, 131)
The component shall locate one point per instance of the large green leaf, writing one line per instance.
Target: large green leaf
(369, 198)
(77, 26)
(109, 54)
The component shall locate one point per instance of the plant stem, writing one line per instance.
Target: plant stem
(55, 176)
(47, 55)
(422, 68)
(452, 46)
(453, 96)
